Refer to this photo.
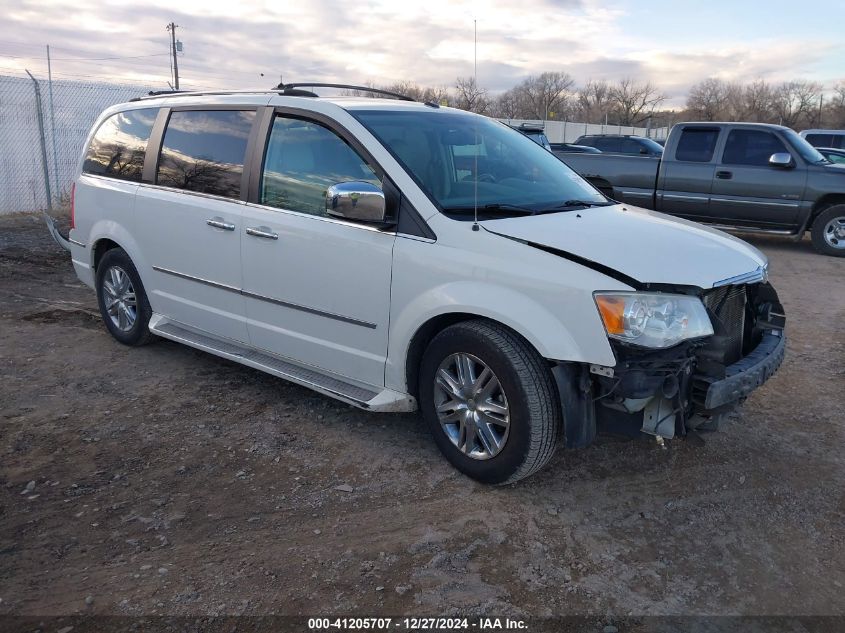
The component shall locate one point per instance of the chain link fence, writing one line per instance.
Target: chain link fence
(67, 110)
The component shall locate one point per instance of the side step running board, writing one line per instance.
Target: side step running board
(362, 397)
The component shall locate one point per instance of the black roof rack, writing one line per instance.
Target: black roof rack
(153, 94)
(292, 90)
(288, 90)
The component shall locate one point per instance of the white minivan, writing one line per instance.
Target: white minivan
(398, 255)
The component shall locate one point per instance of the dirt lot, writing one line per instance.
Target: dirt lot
(169, 481)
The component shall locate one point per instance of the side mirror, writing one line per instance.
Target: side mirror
(356, 200)
(781, 159)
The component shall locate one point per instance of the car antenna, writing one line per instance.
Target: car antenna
(475, 87)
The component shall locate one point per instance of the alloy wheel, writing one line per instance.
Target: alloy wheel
(471, 406)
(119, 298)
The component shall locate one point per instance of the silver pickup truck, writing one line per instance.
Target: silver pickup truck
(739, 176)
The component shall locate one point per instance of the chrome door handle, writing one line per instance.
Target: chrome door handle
(257, 232)
(220, 224)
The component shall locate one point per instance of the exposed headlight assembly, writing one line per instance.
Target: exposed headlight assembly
(652, 319)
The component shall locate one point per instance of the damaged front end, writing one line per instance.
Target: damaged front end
(691, 385)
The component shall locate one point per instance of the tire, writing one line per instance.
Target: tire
(117, 278)
(524, 388)
(828, 232)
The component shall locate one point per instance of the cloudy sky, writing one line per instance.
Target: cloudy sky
(229, 44)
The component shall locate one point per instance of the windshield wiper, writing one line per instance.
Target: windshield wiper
(498, 209)
(573, 204)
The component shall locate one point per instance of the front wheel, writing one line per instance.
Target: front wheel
(490, 402)
(828, 232)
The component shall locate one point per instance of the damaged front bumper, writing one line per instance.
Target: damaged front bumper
(692, 385)
(747, 374)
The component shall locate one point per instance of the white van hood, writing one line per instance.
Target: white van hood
(651, 247)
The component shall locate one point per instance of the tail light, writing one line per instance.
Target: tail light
(72, 209)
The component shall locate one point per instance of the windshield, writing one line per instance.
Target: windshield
(653, 146)
(447, 152)
(539, 138)
(807, 151)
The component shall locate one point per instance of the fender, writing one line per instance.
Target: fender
(111, 230)
(545, 331)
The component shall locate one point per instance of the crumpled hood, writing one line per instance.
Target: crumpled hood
(651, 247)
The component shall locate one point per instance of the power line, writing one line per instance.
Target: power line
(84, 59)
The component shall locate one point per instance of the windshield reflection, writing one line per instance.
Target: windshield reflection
(452, 155)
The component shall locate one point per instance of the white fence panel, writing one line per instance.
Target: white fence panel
(569, 131)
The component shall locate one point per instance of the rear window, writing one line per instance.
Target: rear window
(696, 145)
(119, 145)
(203, 151)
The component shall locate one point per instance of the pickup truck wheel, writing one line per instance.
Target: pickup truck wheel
(829, 231)
(123, 302)
(490, 402)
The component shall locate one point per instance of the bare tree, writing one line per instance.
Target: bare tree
(835, 111)
(593, 101)
(796, 101)
(547, 94)
(758, 100)
(634, 102)
(510, 105)
(708, 100)
(470, 97)
(437, 94)
(734, 108)
(407, 88)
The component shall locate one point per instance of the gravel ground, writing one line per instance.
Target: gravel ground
(162, 480)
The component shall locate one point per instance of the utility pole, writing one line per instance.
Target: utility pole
(172, 28)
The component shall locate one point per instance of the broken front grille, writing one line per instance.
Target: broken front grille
(727, 305)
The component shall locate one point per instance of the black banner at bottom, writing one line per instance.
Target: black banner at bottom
(408, 624)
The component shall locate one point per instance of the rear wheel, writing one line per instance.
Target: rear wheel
(828, 232)
(123, 302)
(490, 402)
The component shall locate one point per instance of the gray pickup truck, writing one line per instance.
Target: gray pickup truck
(739, 176)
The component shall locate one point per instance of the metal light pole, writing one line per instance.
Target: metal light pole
(172, 28)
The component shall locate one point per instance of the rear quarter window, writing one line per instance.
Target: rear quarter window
(119, 145)
(696, 145)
